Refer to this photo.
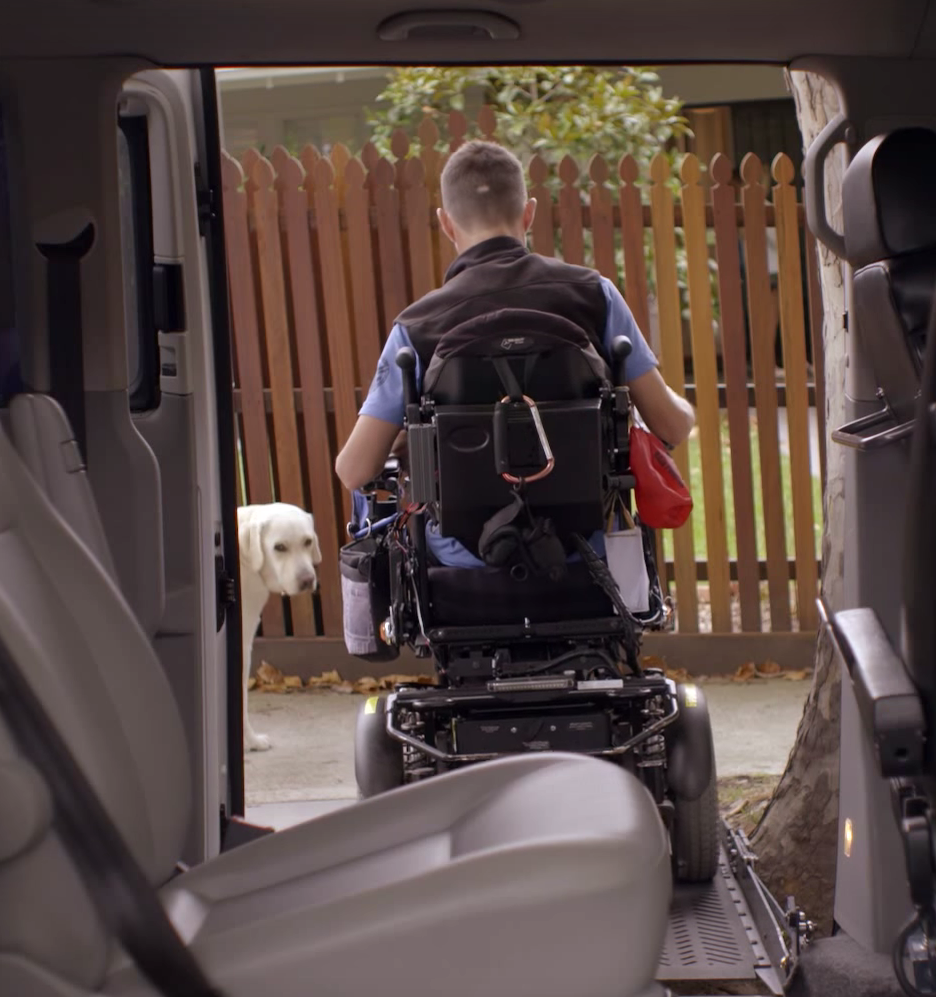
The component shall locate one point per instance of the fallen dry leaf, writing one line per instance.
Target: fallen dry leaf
(344, 687)
(652, 661)
(677, 674)
(325, 679)
(745, 673)
(251, 682)
(365, 686)
(268, 674)
(797, 675)
(769, 668)
(389, 681)
(276, 687)
(737, 808)
(293, 682)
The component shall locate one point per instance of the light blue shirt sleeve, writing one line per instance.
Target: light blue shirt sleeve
(620, 322)
(386, 399)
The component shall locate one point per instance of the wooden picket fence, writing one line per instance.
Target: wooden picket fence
(324, 252)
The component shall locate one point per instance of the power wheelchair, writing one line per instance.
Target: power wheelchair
(518, 447)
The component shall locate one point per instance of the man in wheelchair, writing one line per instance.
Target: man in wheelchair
(513, 383)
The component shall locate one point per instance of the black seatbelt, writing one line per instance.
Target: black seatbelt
(66, 353)
(125, 899)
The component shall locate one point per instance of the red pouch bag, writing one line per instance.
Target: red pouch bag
(663, 500)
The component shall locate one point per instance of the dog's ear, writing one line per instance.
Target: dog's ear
(316, 550)
(250, 538)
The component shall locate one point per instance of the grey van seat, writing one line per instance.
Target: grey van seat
(540, 874)
(43, 437)
(41, 433)
(888, 202)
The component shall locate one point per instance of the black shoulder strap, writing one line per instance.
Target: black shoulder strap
(512, 386)
(124, 897)
(66, 348)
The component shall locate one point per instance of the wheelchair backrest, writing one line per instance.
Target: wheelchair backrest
(552, 362)
(889, 206)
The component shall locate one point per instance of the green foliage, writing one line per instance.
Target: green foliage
(550, 110)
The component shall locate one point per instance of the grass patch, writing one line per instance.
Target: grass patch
(742, 799)
(698, 495)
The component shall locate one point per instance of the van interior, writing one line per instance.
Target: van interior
(121, 746)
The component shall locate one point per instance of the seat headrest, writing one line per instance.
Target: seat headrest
(511, 330)
(889, 198)
(570, 363)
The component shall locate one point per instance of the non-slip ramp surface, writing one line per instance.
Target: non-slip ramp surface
(710, 935)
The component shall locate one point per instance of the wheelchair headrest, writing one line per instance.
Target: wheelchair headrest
(888, 197)
(557, 360)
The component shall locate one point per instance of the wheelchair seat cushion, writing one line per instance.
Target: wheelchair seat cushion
(479, 596)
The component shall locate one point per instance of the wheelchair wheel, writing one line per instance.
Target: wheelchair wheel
(378, 759)
(695, 837)
(693, 788)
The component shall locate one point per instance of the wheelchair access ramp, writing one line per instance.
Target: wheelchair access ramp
(726, 932)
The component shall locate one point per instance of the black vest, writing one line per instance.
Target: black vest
(502, 273)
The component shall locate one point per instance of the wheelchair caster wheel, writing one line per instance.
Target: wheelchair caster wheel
(378, 759)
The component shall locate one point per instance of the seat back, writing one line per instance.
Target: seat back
(918, 621)
(889, 203)
(554, 364)
(78, 643)
(40, 431)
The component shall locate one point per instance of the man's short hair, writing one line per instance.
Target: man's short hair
(483, 186)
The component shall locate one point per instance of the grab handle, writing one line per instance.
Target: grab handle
(839, 129)
(850, 435)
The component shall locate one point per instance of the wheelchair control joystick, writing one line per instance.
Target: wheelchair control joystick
(621, 349)
(406, 361)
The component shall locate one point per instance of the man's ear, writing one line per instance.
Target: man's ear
(316, 550)
(250, 538)
(529, 213)
(445, 223)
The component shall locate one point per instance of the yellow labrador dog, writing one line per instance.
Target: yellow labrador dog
(278, 554)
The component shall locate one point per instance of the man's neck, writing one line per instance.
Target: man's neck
(467, 241)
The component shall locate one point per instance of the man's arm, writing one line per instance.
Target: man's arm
(666, 414)
(363, 457)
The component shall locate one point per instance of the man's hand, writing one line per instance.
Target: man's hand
(399, 448)
(667, 415)
(363, 457)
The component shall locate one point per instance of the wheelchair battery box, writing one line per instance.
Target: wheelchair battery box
(560, 732)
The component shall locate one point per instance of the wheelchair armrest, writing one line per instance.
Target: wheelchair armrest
(888, 700)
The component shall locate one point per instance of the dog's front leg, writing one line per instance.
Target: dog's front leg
(252, 740)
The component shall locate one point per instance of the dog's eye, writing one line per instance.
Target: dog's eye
(308, 542)
(280, 547)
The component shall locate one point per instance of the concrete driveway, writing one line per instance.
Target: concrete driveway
(310, 768)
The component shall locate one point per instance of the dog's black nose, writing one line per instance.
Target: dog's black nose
(307, 582)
